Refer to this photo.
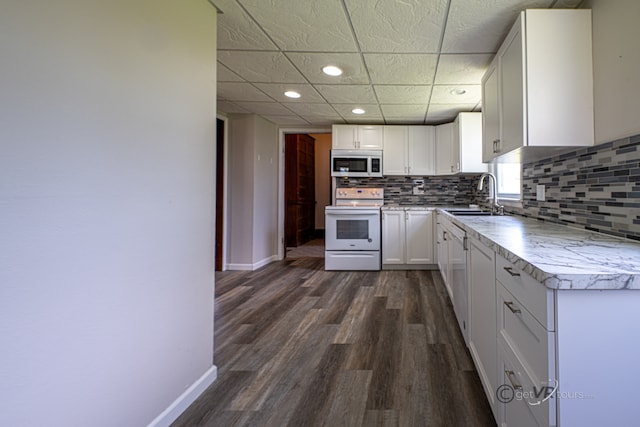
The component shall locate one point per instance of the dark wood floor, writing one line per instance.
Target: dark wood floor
(299, 346)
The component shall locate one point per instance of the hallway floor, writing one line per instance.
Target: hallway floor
(296, 345)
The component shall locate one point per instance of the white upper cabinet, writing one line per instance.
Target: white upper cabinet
(421, 150)
(538, 93)
(395, 150)
(467, 143)
(357, 137)
(408, 150)
(445, 163)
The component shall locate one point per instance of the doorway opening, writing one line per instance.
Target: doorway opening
(306, 191)
(220, 186)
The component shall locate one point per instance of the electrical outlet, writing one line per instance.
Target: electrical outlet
(540, 192)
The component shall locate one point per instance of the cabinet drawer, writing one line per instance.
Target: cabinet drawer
(527, 407)
(520, 332)
(532, 294)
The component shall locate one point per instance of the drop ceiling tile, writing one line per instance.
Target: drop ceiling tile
(324, 120)
(401, 69)
(236, 29)
(308, 109)
(444, 113)
(261, 67)
(230, 107)
(398, 26)
(266, 108)
(223, 74)
(310, 65)
(347, 94)
(277, 90)
(304, 26)
(476, 26)
(372, 111)
(397, 94)
(442, 94)
(231, 91)
(409, 111)
(286, 120)
(462, 69)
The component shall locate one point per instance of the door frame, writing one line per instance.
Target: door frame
(281, 145)
(225, 191)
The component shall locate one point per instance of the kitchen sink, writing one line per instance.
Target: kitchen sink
(469, 212)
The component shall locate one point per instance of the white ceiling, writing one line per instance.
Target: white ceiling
(401, 58)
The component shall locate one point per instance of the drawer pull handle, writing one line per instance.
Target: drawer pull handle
(511, 272)
(511, 375)
(509, 305)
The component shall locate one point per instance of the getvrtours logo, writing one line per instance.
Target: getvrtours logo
(538, 395)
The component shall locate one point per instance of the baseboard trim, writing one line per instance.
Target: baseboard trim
(265, 261)
(254, 266)
(179, 405)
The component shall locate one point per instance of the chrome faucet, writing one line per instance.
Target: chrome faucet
(495, 206)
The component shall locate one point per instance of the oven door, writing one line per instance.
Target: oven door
(352, 229)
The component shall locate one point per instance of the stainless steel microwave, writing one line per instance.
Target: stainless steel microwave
(356, 163)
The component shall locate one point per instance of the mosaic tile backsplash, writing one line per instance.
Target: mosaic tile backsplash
(596, 188)
(439, 190)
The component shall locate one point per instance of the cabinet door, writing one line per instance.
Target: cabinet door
(419, 237)
(370, 137)
(393, 242)
(442, 252)
(511, 92)
(395, 150)
(344, 137)
(469, 141)
(444, 151)
(421, 150)
(490, 114)
(483, 317)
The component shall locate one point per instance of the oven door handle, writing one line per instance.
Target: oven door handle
(353, 213)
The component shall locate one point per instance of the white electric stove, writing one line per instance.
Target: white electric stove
(352, 240)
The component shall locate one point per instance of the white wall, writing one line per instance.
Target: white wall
(241, 171)
(265, 181)
(616, 68)
(253, 192)
(107, 133)
(322, 148)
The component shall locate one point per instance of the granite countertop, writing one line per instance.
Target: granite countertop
(558, 256)
(398, 207)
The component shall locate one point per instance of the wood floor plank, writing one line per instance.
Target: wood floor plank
(253, 396)
(312, 406)
(353, 320)
(349, 405)
(382, 418)
(300, 346)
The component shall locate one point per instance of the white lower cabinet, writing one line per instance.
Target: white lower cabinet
(442, 249)
(550, 357)
(482, 317)
(407, 238)
(526, 358)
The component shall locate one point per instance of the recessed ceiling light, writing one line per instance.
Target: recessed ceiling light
(292, 94)
(358, 111)
(457, 91)
(332, 70)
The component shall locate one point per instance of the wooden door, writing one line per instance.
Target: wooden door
(300, 194)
